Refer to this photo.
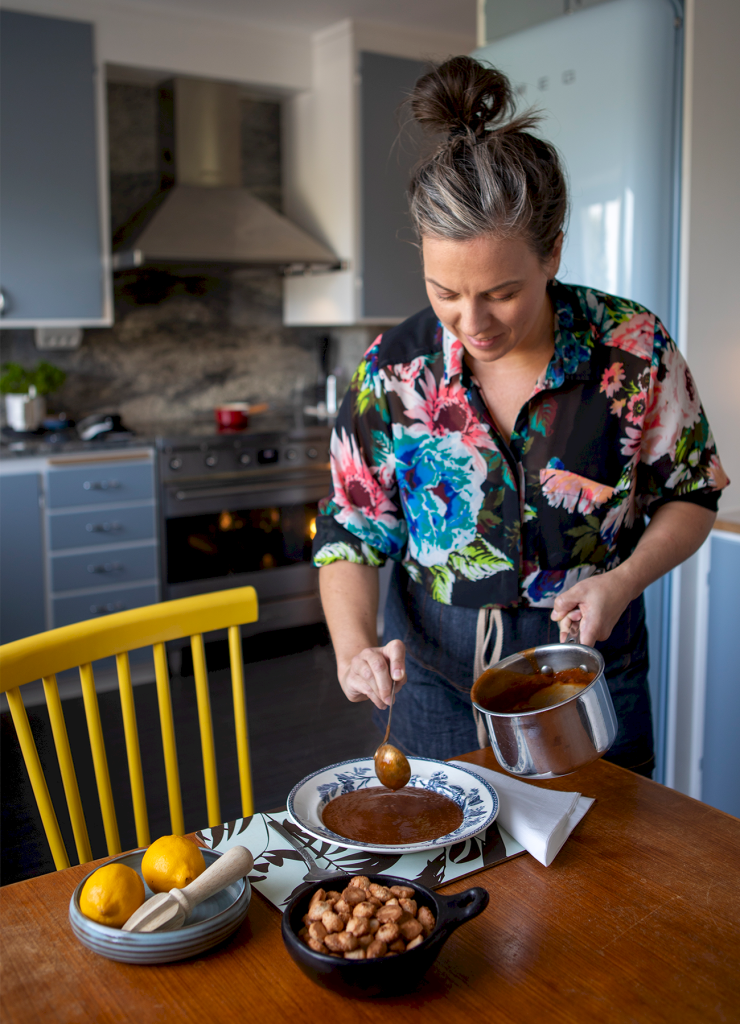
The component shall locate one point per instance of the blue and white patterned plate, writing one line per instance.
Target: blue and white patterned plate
(478, 800)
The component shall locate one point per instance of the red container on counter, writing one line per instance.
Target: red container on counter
(232, 417)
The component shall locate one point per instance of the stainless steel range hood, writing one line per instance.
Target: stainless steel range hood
(201, 213)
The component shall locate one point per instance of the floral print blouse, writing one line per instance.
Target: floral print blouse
(421, 474)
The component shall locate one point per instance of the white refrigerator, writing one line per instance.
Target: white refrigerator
(608, 82)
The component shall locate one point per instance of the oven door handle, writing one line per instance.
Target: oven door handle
(198, 493)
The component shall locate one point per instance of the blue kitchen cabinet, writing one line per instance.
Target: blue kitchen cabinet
(21, 557)
(392, 279)
(721, 757)
(53, 208)
(89, 529)
(106, 483)
(102, 536)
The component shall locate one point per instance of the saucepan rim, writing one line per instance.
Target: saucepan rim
(590, 652)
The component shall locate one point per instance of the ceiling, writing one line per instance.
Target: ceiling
(457, 16)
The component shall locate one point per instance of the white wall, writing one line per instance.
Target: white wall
(710, 321)
(709, 334)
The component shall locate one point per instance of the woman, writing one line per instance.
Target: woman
(504, 446)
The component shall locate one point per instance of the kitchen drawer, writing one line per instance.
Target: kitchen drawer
(99, 568)
(83, 529)
(66, 610)
(100, 483)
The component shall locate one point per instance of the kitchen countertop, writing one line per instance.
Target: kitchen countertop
(728, 521)
(43, 447)
(157, 435)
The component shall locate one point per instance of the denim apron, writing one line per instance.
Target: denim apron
(433, 713)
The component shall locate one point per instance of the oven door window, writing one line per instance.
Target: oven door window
(239, 540)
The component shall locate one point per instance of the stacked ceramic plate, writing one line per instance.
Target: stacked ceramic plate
(211, 922)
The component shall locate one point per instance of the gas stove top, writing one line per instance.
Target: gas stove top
(194, 456)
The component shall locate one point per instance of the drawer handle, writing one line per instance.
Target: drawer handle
(103, 527)
(106, 567)
(101, 485)
(104, 609)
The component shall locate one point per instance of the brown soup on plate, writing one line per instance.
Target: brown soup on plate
(384, 817)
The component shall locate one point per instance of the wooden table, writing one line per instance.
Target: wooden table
(637, 919)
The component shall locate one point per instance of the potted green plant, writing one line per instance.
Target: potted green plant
(25, 391)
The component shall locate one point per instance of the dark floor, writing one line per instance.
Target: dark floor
(299, 721)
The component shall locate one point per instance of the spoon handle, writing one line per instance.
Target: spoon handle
(314, 871)
(390, 712)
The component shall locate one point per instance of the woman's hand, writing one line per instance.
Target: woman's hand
(349, 594)
(370, 673)
(597, 603)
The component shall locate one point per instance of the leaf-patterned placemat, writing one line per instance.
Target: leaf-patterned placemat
(279, 871)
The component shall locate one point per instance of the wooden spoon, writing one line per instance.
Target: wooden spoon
(391, 766)
(169, 910)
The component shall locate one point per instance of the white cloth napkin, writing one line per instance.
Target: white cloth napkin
(540, 819)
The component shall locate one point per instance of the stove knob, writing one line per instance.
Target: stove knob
(245, 458)
(211, 460)
(291, 454)
(175, 463)
(312, 453)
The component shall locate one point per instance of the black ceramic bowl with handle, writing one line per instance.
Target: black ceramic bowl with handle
(384, 975)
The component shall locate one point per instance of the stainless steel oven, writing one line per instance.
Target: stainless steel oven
(241, 509)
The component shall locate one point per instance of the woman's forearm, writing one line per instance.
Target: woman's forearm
(675, 532)
(349, 595)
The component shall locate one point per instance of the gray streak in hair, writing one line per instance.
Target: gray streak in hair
(484, 177)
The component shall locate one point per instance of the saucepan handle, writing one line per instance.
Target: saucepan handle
(462, 907)
(574, 633)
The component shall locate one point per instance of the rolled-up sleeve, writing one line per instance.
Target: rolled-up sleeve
(361, 520)
(678, 455)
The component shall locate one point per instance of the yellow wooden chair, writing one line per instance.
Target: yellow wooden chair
(78, 645)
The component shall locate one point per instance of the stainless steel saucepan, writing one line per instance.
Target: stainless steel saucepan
(556, 740)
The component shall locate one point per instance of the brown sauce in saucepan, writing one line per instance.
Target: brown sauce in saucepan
(379, 815)
(509, 692)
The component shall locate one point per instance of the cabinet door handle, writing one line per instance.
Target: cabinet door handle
(2, 301)
(103, 527)
(106, 567)
(101, 485)
(104, 609)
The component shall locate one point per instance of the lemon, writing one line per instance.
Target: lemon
(111, 895)
(171, 862)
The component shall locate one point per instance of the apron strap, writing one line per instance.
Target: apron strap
(487, 619)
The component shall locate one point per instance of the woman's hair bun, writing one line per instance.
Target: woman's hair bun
(461, 95)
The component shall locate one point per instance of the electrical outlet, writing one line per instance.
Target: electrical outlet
(58, 338)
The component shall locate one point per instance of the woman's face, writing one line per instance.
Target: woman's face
(491, 293)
